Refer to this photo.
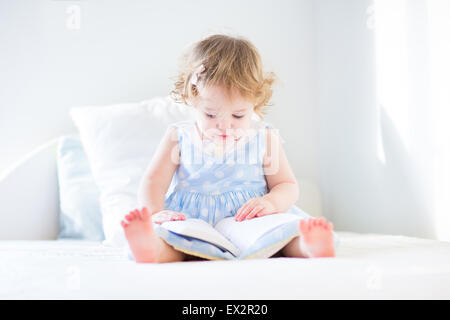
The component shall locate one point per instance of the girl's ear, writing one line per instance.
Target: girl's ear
(190, 100)
(192, 103)
(194, 100)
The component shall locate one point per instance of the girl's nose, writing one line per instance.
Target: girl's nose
(224, 124)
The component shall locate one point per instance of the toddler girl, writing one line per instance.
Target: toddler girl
(226, 162)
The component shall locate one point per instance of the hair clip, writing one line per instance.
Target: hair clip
(197, 72)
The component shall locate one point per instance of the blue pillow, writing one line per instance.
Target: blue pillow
(80, 214)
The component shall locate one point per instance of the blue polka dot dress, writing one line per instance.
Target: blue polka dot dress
(211, 182)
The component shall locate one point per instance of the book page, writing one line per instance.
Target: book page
(244, 233)
(200, 229)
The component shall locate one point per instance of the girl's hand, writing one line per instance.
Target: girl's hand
(255, 207)
(167, 215)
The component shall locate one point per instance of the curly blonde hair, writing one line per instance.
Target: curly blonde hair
(232, 62)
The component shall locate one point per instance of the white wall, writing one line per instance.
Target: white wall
(126, 51)
(325, 106)
(360, 192)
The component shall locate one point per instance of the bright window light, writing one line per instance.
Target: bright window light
(392, 67)
(417, 111)
(439, 31)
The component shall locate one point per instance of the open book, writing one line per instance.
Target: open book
(237, 237)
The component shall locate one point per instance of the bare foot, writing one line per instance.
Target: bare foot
(316, 238)
(143, 241)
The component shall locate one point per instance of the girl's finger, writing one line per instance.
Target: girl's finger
(177, 217)
(160, 217)
(264, 212)
(261, 213)
(243, 210)
(175, 214)
(245, 213)
(180, 215)
(238, 213)
(254, 212)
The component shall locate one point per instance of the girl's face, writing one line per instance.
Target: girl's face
(222, 117)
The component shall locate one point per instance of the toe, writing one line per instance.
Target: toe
(139, 214)
(303, 226)
(328, 226)
(145, 214)
(124, 224)
(321, 221)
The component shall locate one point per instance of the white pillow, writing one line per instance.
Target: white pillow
(120, 141)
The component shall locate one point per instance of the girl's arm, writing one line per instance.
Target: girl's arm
(159, 173)
(283, 187)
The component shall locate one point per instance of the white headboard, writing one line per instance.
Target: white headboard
(29, 198)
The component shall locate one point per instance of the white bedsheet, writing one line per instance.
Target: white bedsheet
(367, 266)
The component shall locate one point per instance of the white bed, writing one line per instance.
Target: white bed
(33, 266)
(367, 266)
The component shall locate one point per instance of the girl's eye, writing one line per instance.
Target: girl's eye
(213, 116)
